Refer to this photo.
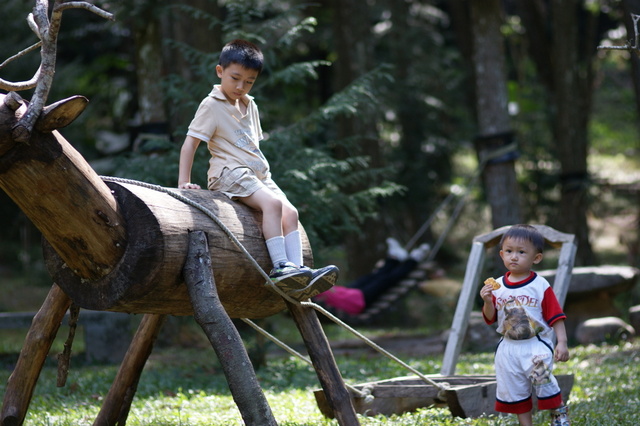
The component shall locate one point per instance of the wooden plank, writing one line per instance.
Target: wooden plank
(472, 400)
(469, 396)
(562, 279)
(463, 309)
(475, 400)
(399, 394)
(413, 380)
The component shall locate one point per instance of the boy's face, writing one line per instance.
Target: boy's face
(518, 257)
(236, 81)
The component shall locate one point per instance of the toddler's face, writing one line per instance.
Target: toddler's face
(236, 81)
(519, 256)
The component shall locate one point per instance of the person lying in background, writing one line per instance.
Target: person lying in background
(365, 290)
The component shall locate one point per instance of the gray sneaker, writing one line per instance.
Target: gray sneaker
(560, 417)
(321, 280)
(288, 277)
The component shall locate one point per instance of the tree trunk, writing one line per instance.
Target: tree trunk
(630, 7)
(225, 339)
(572, 99)
(149, 67)
(494, 128)
(416, 166)
(197, 34)
(562, 37)
(355, 54)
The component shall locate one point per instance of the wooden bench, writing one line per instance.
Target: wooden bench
(592, 292)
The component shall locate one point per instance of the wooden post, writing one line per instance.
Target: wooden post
(227, 343)
(117, 403)
(463, 309)
(34, 352)
(324, 363)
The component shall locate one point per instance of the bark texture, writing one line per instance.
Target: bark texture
(149, 279)
(22, 381)
(494, 127)
(225, 339)
(117, 404)
(60, 193)
(562, 38)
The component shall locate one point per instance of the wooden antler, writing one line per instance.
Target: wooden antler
(47, 31)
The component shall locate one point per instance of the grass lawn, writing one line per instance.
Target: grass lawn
(185, 387)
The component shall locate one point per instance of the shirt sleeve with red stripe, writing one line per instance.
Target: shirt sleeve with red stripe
(551, 309)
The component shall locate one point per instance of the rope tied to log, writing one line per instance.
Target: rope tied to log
(361, 393)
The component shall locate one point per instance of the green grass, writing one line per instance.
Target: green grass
(185, 387)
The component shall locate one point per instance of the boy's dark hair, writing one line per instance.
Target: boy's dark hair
(243, 53)
(526, 233)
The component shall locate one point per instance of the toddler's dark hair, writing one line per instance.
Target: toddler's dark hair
(526, 233)
(243, 53)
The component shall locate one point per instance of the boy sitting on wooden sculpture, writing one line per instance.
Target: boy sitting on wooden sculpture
(228, 121)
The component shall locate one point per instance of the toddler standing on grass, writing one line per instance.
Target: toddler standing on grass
(528, 313)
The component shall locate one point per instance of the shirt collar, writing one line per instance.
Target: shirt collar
(216, 93)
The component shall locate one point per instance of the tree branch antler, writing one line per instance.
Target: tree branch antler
(47, 31)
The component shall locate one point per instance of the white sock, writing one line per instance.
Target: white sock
(419, 253)
(395, 250)
(293, 246)
(277, 251)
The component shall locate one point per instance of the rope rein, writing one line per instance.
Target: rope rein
(366, 393)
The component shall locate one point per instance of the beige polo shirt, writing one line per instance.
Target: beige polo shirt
(233, 139)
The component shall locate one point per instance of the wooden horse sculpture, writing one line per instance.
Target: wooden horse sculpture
(125, 248)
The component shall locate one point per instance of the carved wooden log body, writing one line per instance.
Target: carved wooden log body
(149, 279)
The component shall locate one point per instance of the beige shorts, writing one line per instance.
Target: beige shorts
(241, 182)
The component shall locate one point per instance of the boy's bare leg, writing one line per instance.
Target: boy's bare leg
(271, 207)
(525, 419)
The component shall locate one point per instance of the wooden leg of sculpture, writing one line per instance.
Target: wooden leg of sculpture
(37, 344)
(324, 363)
(116, 406)
(211, 316)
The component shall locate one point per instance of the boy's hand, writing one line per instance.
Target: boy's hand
(562, 352)
(188, 185)
(486, 293)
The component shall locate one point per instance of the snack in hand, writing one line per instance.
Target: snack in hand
(495, 284)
